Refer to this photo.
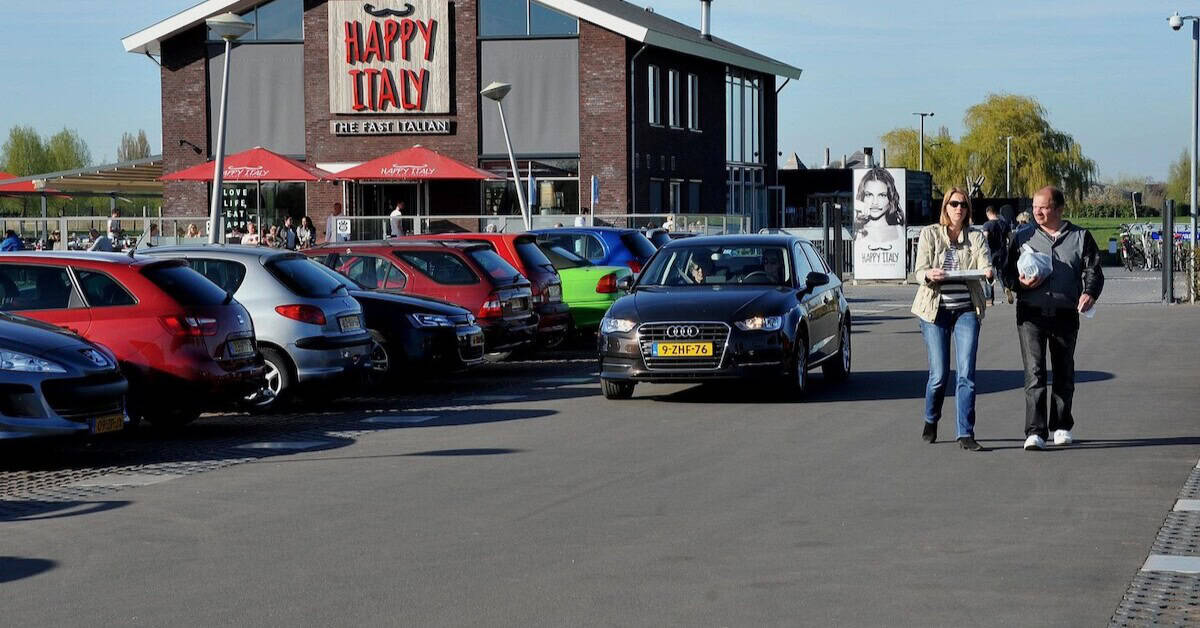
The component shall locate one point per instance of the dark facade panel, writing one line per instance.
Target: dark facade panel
(542, 111)
(266, 97)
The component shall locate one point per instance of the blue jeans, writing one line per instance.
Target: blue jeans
(964, 326)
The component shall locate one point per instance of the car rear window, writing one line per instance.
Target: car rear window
(499, 270)
(638, 244)
(102, 290)
(562, 258)
(444, 268)
(531, 255)
(185, 285)
(302, 278)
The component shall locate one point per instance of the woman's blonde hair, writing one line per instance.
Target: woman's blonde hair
(945, 218)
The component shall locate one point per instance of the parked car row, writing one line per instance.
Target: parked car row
(93, 341)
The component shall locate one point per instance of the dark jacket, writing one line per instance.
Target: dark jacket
(1076, 267)
(997, 232)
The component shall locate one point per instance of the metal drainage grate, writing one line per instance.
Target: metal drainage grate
(1179, 535)
(1159, 597)
(1191, 489)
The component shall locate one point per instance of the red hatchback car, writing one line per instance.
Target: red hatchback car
(183, 343)
(521, 250)
(468, 274)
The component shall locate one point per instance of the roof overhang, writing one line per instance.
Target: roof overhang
(147, 40)
(139, 176)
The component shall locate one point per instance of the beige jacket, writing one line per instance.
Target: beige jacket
(931, 253)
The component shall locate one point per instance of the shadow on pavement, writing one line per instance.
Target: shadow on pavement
(1100, 443)
(14, 568)
(446, 418)
(34, 510)
(467, 452)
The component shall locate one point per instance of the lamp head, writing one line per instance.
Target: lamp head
(228, 26)
(496, 91)
(1175, 21)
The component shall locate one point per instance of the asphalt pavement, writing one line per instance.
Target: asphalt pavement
(520, 496)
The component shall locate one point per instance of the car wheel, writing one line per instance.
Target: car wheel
(617, 389)
(277, 382)
(838, 368)
(381, 359)
(800, 375)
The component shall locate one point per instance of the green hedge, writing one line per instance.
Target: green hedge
(1110, 210)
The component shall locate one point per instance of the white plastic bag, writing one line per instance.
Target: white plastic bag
(1034, 265)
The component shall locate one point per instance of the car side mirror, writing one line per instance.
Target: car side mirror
(815, 279)
(625, 283)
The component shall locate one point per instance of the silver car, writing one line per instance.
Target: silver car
(308, 327)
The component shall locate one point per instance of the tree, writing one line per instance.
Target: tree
(1041, 154)
(23, 153)
(132, 148)
(65, 150)
(1179, 179)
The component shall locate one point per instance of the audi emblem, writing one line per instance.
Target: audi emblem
(683, 331)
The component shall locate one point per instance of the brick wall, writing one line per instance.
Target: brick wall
(322, 146)
(603, 118)
(184, 117)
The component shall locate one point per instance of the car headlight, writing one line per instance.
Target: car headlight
(13, 361)
(611, 325)
(761, 323)
(430, 320)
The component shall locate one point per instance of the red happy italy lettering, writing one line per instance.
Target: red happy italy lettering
(353, 32)
(387, 91)
(391, 30)
(373, 43)
(427, 31)
(417, 81)
(407, 30)
(356, 79)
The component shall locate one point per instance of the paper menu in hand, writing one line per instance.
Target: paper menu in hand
(966, 274)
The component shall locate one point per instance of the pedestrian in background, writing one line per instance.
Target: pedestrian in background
(100, 242)
(1048, 310)
(331, 234)
(306, 234)
(996, 231)
(947, 307)
(251, 238)
(12, 242)
(288, 233)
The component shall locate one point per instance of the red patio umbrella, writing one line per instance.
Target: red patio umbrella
(25, 186)
(255, 164)
(415, 164)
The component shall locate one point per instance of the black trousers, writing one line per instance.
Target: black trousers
(1052, 331)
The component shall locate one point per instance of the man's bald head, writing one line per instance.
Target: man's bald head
(1052, 194)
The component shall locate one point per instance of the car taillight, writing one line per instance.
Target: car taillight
(493, 307)
(634, 265)
(608, 284)
(537, 295)
(190, 325)
(303, 313)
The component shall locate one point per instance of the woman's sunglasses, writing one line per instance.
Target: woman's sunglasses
(957, 203)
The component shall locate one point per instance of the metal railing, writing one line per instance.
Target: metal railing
(377, 227)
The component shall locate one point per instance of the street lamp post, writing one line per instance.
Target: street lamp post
(921, 149)
(1176, 22)
(1008, 166)
(228, 27)
(497, 91)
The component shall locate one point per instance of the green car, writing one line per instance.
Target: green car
(587, 289)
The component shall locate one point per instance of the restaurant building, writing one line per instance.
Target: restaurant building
(660, 115)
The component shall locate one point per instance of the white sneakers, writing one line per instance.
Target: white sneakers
(1061, 437)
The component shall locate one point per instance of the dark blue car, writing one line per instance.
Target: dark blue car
(603, 246)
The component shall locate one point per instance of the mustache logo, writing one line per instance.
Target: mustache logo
(370, 8)
(881, 247)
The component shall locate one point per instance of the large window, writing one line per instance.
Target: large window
(676, 196)
(654, 88)
(693, 117)
(743, 107)
(277, 20)
(673, 98)
(264, 204)
(523, 18)
(555, 187)
(656, 196)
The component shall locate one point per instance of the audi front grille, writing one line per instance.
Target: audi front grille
(716, 333)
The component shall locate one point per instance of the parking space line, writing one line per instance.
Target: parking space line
(1177, 564)
(1187, 505)
(401, 420)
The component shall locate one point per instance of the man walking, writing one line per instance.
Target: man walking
(396, 218)
(996, 232)
(331, 234)
(1048, 309)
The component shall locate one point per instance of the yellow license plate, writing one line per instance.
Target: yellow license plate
(683, 349)
(477, 340)
(241, 347)
(110, 423)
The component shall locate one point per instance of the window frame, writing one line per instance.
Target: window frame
(673, 96)
(654, 102)
(75, 299)
(78, 280)
(693, 117)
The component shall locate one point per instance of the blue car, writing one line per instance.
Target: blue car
(603, 246)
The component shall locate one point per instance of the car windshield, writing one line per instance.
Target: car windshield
(562, 258)
(638, 244)
(708, 265)
(500, 271)
(302, 277)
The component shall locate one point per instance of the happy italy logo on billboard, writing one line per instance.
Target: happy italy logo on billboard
(389, 57)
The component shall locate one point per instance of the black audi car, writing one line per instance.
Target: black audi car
(53, 382)
(727, 307)
(413, 334)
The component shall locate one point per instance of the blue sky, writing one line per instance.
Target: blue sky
(1110, 72)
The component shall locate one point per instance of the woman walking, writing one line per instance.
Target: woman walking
(948, 307)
